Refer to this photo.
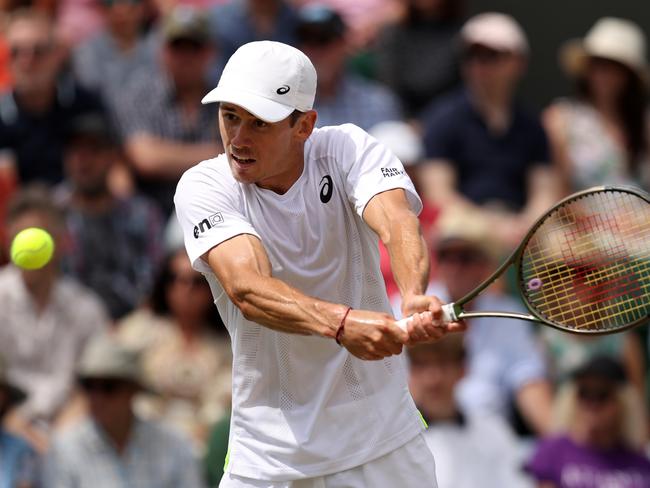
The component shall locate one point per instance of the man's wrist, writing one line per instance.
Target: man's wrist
(341, 329)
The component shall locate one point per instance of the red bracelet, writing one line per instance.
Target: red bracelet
(339, 332)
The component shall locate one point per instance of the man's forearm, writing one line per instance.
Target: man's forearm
(409, 256)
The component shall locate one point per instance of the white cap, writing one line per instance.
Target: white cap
(498, 31)
(268, 79)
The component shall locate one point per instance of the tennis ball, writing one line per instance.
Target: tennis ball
(32, 248)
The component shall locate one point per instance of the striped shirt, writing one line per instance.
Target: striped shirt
(154, 458)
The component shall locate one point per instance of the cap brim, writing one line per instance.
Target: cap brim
(262, 108)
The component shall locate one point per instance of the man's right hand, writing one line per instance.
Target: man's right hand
(372, 335)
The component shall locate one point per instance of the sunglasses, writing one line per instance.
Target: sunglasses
(186, 45)
(101, 385)
(36, 51)
(484, 55)
(192, 280)
(594, 396)
(461, 256)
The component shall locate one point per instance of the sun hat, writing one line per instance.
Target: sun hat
(495, 30)
(468, 227)
(610, 38)
(268, 79)
(105, 357)
(14, 393)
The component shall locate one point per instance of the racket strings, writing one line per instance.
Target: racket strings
(589, 261)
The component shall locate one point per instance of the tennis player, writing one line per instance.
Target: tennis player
(284, 226)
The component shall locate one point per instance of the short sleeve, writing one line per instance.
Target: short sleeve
(369, 168)
(210, 209)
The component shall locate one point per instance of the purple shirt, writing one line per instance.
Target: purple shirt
(569, 465)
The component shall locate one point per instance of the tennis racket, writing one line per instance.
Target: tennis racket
(583, 267)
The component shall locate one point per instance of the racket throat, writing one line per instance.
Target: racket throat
(450, 312)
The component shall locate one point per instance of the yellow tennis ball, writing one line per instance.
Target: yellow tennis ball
(32, 248)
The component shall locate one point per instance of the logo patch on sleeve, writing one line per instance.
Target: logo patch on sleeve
(207, 224)
(390, 172)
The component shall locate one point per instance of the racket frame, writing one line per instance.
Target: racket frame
(454, 311)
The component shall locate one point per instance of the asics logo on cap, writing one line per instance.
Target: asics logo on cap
(283, 89)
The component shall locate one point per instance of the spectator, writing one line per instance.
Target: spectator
(18, 461)
(599, 136)
(186, 352)
(483, 148)
(165, 128)
(45, 321)
(121, 272)
(238, 22)
(566, 352)
(601, 433)
(341, 97)
(112, 446)
(107, 61)
(216, 456)
(44, 98)
(435, 370)
(417, 56)
(506, 370)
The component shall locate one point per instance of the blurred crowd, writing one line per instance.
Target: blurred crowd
(114, 363)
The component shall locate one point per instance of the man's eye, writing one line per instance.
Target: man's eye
(229, 116)
(260, 123)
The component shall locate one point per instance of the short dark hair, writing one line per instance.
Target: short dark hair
(35, 197)
(294, 116)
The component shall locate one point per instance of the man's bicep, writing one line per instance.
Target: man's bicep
(385, 208)
(236, 262)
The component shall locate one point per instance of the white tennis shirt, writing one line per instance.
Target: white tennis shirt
(302, 405)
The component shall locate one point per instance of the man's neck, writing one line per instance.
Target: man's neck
(119, 431)
(36, 101)
(93, 203)
(495, 108)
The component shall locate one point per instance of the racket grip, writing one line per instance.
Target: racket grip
(448, 315)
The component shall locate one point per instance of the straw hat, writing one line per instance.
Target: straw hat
(15, 395)
(459, 224)
(610, 38)
(105, 357)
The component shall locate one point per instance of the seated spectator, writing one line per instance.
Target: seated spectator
(123, 271)
(238, 22)
(419, 74)
(483, 149)
(341, 96)
(566, 352)
(506, 370)
(186, 352)
(487, 442)
(165, 128)
(44, 98)
(18, 461)
(107, 61)
(601, 433)
(216, 455)
(600, 135)
(113, 446)
(45, 321)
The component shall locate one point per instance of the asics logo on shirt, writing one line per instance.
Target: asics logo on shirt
(207, 224)
(326, 188)
(283, 89)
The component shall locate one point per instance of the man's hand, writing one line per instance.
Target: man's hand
(425, 322)
(372, 335)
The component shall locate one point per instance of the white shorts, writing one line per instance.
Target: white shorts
(410, 466)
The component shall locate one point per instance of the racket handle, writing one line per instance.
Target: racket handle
(448, 315)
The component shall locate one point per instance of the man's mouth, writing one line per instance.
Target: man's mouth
(240, 160)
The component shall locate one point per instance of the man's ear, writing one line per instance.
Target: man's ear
(305, 124)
